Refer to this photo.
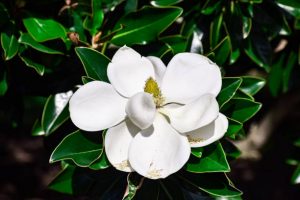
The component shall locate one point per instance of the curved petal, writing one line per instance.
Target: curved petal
(116, 143)
(209, 133)
(96, 106)
(159, 68)
(194, 115)
(189, 76)
(128, 71)
(141, 110)
(158, 151)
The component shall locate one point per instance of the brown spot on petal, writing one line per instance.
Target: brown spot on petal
(194, 140)
(123, 165)
(154, 173)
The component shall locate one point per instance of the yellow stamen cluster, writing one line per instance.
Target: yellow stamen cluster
(151, 87)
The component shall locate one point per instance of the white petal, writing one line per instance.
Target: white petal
(209, 133)
(116, 143)
(194, 115)
(189, 76)
(128, 71)
(158, 151)
(159, 68)
(141, 110)
(97, 106)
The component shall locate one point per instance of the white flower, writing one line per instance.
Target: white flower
(154, 114)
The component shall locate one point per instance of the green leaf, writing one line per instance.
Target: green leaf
(229, 87)
(251, 85)
(242, 95)
(93, 24)
(94, 63)
(9, 44)
(290, 6)
(233, 128)
(162, 3)
(216, 184)
(296, 175)
(83, 148)
(131, 6)
(222, 51)
(64, 181)
(197, 151)
(44, 29)
(26, 39)
(247, 25)
(256, 50)
(145, 25)
(177, 43)
(213, 159)
(37, 129)
(101, 163)
(71, 180)
(3, 85)
(240, 109)
(39, 68)
(55, 112)
(215, 30)
(133, 182)
(211, 6)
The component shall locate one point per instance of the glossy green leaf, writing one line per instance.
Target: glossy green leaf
(26, 39)
(251, 85)
(235, 54)
(83, 148)
(64, 181)
(37, 129)
(164, 2)
(215, 184)
(3, 85)
(290, 6)
(232, 152)
(177, 43)
(55, 112)
(213, 159)
(247, 25)
(39, 68)
(133, 181)
(256, 51)
(242, 95)
(44, 29)
(95, 22)
(145, 25)
(197, 151)
(100, 163)
(240, 109)
(296, 175)
(9, 45)
(229, 87)
(215, 30)
(233, 128)
(71, 180)
(222, 51)
(211, 6)
(94, 63)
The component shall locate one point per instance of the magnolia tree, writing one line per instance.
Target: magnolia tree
(147, 98)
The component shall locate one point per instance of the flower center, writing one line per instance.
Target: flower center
(151, 87)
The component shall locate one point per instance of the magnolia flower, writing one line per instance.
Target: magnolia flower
(154, 114)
